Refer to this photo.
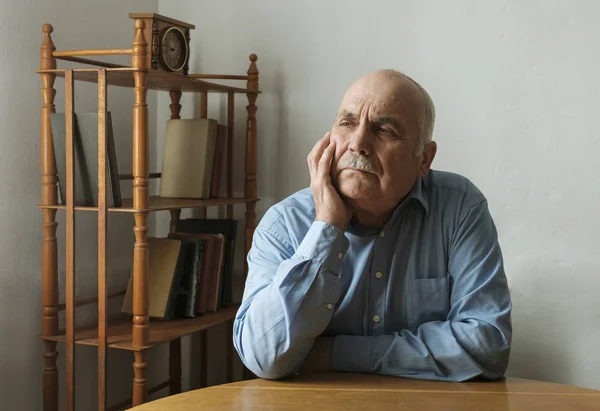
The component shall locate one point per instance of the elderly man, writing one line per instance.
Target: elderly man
(383, 266)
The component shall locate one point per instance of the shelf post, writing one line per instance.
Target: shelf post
(201, 211)
(230, 127)
(251, 130)
(140, 159)
(70, 244)
(102, 241)
(250, 191)
(49, 248)
(175, 345)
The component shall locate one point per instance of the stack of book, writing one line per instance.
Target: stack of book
(192, 158)
(190, 271)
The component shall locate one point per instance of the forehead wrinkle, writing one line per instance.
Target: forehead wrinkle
(377, 111)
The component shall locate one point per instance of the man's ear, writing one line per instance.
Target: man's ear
(427, 158)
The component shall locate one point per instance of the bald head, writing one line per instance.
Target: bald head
(397, 91)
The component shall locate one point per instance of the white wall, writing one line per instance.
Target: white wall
(77, 24)
(515, 85)
(515, 91)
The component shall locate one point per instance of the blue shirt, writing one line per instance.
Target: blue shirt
(424, 297)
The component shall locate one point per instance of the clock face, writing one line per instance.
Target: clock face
(174, 49)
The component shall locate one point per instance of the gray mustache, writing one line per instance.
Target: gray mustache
(358, 162)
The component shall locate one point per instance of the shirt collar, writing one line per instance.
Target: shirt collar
(416, 194)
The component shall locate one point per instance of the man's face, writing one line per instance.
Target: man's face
(376, 132)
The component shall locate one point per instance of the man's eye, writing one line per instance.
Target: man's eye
(384, 130)
(344, 123)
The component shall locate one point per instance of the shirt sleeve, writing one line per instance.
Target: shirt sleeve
(475, 338)
(289, 297)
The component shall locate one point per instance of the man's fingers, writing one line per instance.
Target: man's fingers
(324, 168)
(316, 153)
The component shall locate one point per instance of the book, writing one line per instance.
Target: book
(166, 265)
(185, 306)
(192, 279)
(85, 153)
(188, 156)
(227, 227)
(216, 277)
(209, 282)
(215, 184)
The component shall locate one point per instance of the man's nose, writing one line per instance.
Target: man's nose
(360, 142)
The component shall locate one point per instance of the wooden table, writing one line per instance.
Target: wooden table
(341, 391)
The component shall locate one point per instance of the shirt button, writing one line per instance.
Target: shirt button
(378, 275)
(329, 306)
(376, 318)
(382, 234)
(340, 255)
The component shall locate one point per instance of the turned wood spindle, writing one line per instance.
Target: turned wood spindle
(175, 345)
(175, 106)
(250, 191)
(49, 247)
(140, 160)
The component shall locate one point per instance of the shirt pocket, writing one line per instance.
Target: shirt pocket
(428, 300)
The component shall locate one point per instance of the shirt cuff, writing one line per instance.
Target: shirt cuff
(352, 353)
(324, 244)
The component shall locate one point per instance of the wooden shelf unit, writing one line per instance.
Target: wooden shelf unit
(135, 333)
(162, 204)
(124, 77)
(119, 334)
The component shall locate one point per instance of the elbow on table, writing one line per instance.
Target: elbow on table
(272, 373)
(488, 347)
(493, 360)
(270, 370)
(262, 366)
(496, 363)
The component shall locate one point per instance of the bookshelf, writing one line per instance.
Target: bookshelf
(137, 333)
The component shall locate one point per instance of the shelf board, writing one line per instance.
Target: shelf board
(160, 204)
(155, 80)
(160, 331)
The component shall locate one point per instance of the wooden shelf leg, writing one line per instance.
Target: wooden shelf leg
(102, 239)
(175, 345)
(49, 247)
(140, 389)
(251, 130)
(50, 377)
(175, 110)
(203, 114)
(140, 160)
(229, 352)
(70, 246)
(175, 366)
(175, 106)
(230, 129)
(251, 158)
(203, 359)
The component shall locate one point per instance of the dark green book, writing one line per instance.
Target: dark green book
(193, 250)
(228, 228)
